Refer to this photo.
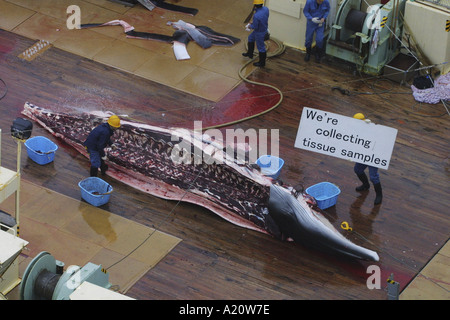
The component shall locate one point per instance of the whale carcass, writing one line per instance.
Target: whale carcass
(180, 164)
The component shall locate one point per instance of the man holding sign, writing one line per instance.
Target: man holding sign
(373, 173)
(363, 142)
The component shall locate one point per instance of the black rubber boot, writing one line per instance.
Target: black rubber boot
(250, 50)
(365, 186)
(103, 167)
(379, 193)
(262, 60)
(318, 54)
(93, 172)
(308, 54)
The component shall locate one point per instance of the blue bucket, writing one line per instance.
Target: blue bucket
(270, 165)
(41, 150)
(325, 193)
(95, 191)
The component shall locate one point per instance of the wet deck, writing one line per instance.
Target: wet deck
(218, 260)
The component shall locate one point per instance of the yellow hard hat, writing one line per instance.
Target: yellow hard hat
(258, 1)
(359, 116)
(114, 121)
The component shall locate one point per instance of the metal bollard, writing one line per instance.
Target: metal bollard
(393, 288)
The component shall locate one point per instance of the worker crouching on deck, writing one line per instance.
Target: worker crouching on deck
(373, 173)
(96, 143)
(259, 26)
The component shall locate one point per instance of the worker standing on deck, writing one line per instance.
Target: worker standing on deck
(259, 25)
(97, 141)
(373, 173)
(316, 12)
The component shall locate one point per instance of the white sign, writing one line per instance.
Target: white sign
(345, 137)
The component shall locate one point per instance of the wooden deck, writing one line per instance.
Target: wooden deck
(216, 259)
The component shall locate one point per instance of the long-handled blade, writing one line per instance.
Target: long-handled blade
(148, 4)
(249, 16)
(129, 3)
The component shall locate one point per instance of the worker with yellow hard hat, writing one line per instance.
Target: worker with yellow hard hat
(97, 141)
(373, 173)
(359, 116)
(114, 121)
(259, 25)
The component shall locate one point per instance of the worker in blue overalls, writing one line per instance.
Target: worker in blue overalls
(96, 143)
(373, 173)
(259, 26)
(316, 12)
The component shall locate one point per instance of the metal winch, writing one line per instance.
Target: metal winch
(45, 279)
(367, 38)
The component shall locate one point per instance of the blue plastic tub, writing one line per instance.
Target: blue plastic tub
(325, 193)
(95, 191)
(41, 150)
(270, 165)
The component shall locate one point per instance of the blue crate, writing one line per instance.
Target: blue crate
(270, 165)
(92, 185)
(325, 193)
(41, 150)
